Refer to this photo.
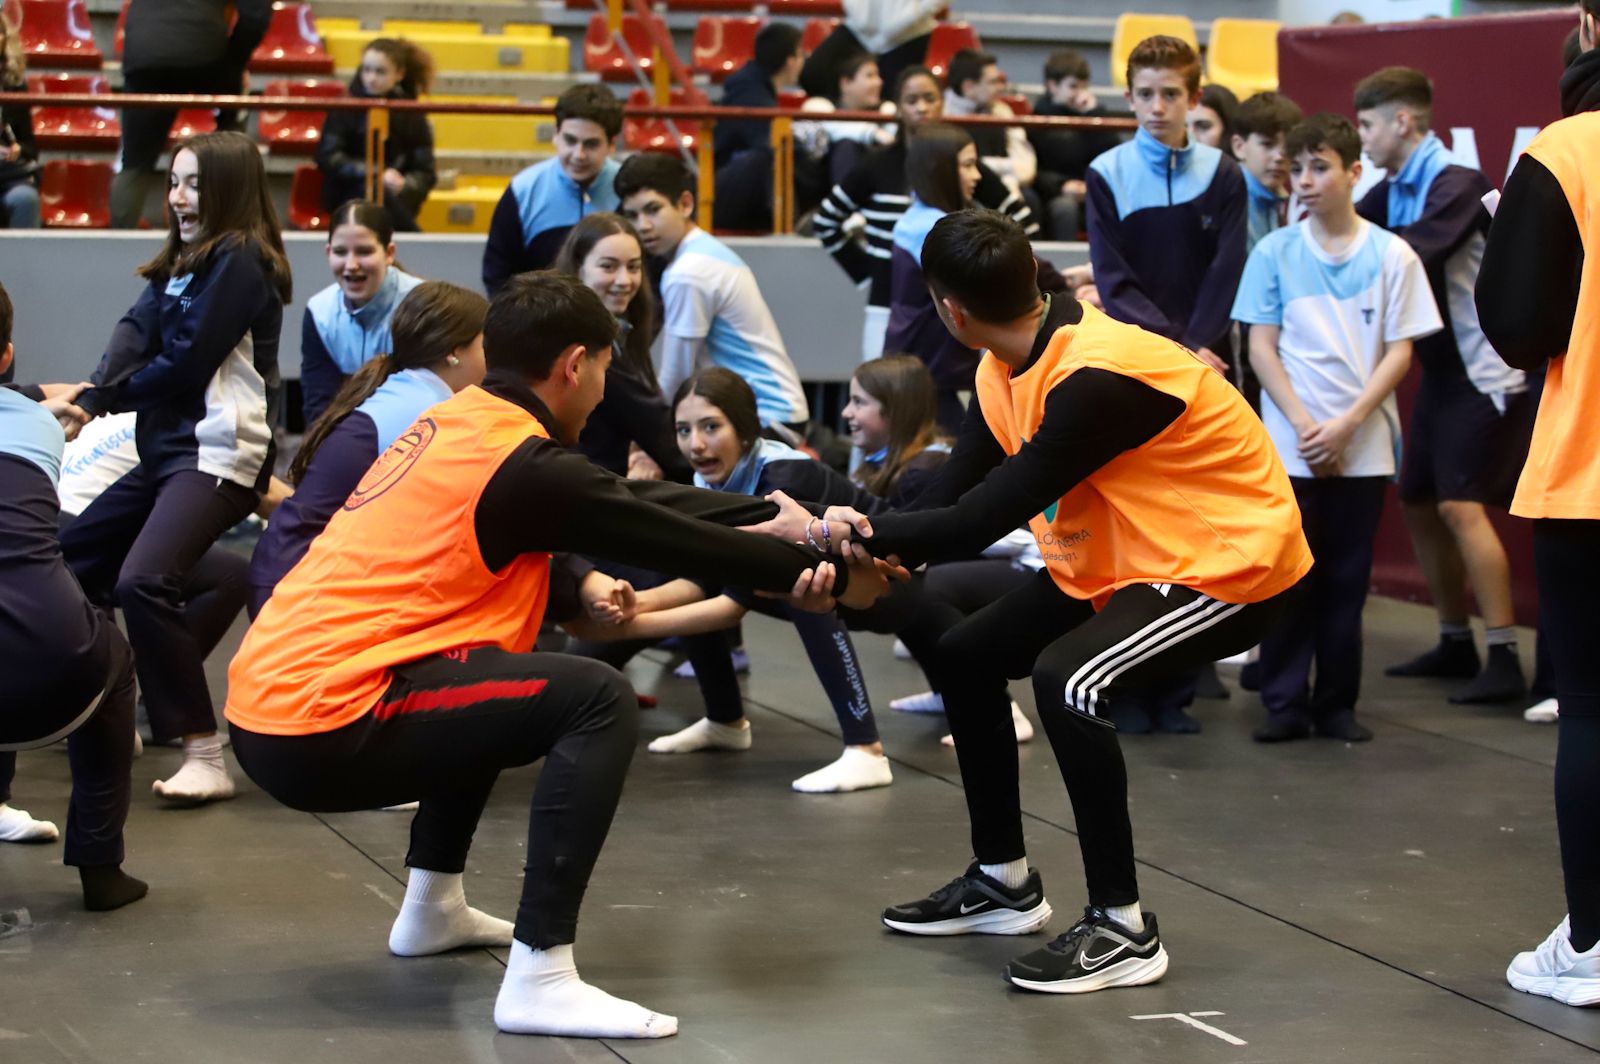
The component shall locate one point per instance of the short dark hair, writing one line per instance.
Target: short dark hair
(1065, 63)
(536, 316)
(1326, 131)
(654, 171)
(850, 64)
(967, 65)
(1166, 53)
(1397, 84)
(982, 260)
(776, 43)
(7, 317)
(729, 393)
(1270, 114)
(593, 102)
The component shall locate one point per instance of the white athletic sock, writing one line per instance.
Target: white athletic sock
(1450, 630)
(1013, 873)
(542, 994)
(703, 734)
(1506, 636)
(203, 777)
(855, 770)
(1129, 916)
(435, 917)
(16, 825)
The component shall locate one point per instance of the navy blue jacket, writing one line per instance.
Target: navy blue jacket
(534, 215)
(1167, 237)
(633, 411)
(749, 86)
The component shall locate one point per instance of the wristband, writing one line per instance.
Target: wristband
(827, 537)
(812, 543)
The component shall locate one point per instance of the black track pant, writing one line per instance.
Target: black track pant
(100, 751)
(1567, 557)
(1077, 658)
(442, 733)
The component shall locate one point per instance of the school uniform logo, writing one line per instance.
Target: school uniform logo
(393, 464)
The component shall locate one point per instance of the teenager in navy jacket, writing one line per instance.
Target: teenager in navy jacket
(197, 359)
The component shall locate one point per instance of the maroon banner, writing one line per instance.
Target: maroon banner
(1494, 85)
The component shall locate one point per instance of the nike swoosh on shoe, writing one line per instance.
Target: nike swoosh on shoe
(1091, 963)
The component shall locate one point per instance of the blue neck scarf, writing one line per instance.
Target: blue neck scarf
(1408, 190)
(746, 476)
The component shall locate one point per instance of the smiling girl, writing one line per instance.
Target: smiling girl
(197, 359)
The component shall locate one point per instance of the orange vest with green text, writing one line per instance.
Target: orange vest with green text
(396, 576)
(1562, 476)
(1205, 504)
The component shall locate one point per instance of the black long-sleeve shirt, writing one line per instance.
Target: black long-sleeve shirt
(1527, 290)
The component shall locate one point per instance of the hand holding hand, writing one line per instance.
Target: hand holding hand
(790, 522)
(641, 466)
(61, 401)
(1323, 443)
(1209, 357)
(393, 180)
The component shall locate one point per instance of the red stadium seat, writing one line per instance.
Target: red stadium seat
(603, 56)
(55, 33)
(74, 128)
(817, 30)
(292, 44)
(305, 199)
(191, 121)
(1019, 104)
(948, 39)
(723, 45)
(296, 132)
(122, 29)
(710, 5)
(75, 194)
(806, 7)
(792, 99)
(652, 134)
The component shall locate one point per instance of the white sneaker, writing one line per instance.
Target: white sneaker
(901, 651)
(921, 702)
(1556, 970)
(1546, 712)
(1023, 726)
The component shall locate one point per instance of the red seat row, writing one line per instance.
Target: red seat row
(55, 33)
(776, 7)
(76, 194)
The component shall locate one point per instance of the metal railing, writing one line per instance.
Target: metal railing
(378, 127)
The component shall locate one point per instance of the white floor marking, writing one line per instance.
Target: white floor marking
(1189, 1018)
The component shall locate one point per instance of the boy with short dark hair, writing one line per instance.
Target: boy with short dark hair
(545, 201)
(712, 309)
(975, 83)
(1260, 133)
(1473, 416)
(1333, 304)
(743, 146)
(1064, 155)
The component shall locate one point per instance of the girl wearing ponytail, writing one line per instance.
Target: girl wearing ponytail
(438, 350)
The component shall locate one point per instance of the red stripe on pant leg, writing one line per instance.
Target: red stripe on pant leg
(458, 697)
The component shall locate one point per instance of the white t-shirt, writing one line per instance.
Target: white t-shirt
(714, 313)
(101, 455)
(1336, 313)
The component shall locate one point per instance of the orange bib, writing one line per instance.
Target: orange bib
(1206, 504)
(396, 576)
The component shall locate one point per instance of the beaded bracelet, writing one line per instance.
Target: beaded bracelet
(812, 543)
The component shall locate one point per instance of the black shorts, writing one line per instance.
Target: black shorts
(1460, 448)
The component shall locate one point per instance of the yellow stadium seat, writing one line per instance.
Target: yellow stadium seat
(487, 133)
(476, 53)
(498, 182)
(1243, 55)
(326, 23)
(1132, 28)
(406, 27)
(459, 210)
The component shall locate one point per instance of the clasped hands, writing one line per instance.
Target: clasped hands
(833, 533)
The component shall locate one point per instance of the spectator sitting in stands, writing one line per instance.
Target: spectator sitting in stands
(394, 70)
(897, 32)
(1064, 154)
(843, 144)
(713, 312)
(19, 155)
(975, 85)
(1260, 135)
(743, 147)
(1211, 120)
(545, 201)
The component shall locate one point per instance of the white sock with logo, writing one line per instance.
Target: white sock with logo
(1012, 873)
(543, 994)
(1129, 916)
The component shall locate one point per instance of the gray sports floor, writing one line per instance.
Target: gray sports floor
(1320, 902)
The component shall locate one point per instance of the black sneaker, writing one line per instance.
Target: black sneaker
(974, 903)
(1096, 954)
(1452, 658)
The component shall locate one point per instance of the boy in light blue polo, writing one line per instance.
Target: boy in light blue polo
(1334, 303)
(713, 312)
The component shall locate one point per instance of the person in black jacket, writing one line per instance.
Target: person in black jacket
(183, 46)
(390, 69)
(630, 432)
(1065, 154)
(743, 147)
(19, 155)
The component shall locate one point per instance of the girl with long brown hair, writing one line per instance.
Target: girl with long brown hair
(890, 417)
(437, 351)
(197, 359)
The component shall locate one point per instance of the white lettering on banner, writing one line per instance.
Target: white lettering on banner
(1189, 1018)
(1464, 146)
(1519, 144)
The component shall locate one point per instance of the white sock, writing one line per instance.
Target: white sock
(703, 734)
(855, 770)
(542, 994)
(1129, 916)
(203, 777)
(435, 917)
(1013, 873)
(16, 825)
(1019, 723)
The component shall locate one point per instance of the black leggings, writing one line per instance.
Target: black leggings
(1567, 557)
(136, 545)
(832, 654)
(1076, 657)
(442, 733)
(100, 752)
